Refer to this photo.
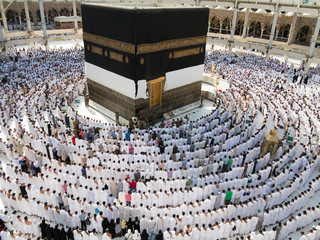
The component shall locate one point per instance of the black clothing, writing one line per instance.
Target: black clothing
(48, 151)
(23, 191)
(130, 225)
(56, 233)
(63, 234)
(159, 236)
(136, 225)
(68, 160)
(2, 225)
(55, 154)
(295, 78)
(83, 225)
(70, 234)
(24, 166)
(161, 146)
(49, 130)
(67, 120)
(112, 229)
(105, 224)
(144, 235)
(43, 227)
(49, 232)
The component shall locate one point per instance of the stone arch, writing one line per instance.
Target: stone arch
(254, 29)
(12, 16)
(267, 31)
(283, 33)
(24, 17)
(52, 13)
(214, 25)
(226, 26)
(38, 16)
(304, 35)
(64, 12)
(239, 27)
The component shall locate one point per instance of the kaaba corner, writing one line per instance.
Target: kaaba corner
(147, 56)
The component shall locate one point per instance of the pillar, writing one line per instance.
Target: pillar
(314, 38)
(220, 29)
(196, 1)
(16, 19)
(267, 56)
(293, 25)
(75, 15)
(20, 22)
(274, 23)
(34, 18)
(276, 37)
(3, 16)
(262, 30)
(26, 9)
(43, 24)
(245, 25)
(209, 25)
(229, 48)
(47, 16)
(2, 40)
(234, 23)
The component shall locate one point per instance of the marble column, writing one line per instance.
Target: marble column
(2, 41)
(245, 25)
(3, 16)
(75, 15)
(314, 38)
(262, 30)
(274, 24)
(43, 24)
(234, 23)
(26, 9)
(293, 25)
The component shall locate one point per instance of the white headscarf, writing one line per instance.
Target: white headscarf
(136, 235)
(128, 235)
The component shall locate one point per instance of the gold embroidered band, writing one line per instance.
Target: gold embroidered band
(144, 48)
(170, 44)
(186, 52)
(96, 50)
(116, 56)
(107, 42)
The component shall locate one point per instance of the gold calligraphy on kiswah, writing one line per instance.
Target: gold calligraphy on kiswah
(111, 43)
(170, 44)
(96, 50)
(144, 48)
(116, 56)
(186, 52)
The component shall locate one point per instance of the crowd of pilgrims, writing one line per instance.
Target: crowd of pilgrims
(67, 176)
(299, 76)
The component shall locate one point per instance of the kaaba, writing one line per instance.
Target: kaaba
(146, 57)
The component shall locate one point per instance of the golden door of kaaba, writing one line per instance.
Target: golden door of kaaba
(155, 92)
